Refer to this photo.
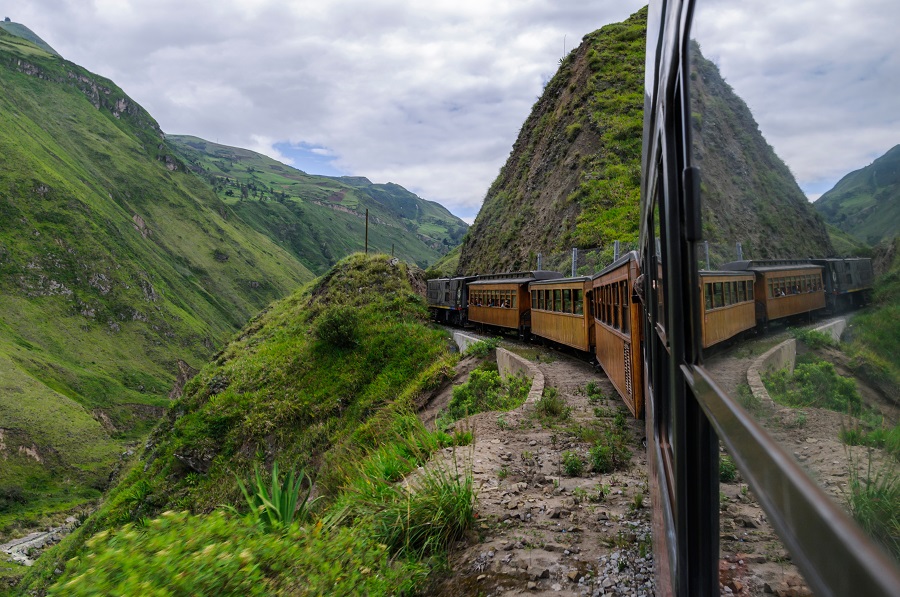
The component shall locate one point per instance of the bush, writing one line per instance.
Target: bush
(11, 496)
(338, 327)
(551, 405)
(611, 453)
(814, 384)
(219, 554)
(572, 463)
(727, 469)
(485, 391)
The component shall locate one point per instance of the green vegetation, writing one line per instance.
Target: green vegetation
(279, 392)
(551, 407)
(866, 203)
(482, 348)
(610, 452)
(485, 391)
(115, 265)
(875, 337)
(814, 339)
(572, 463)
(881, 437)
(280, 504)
(874, 501)
(727, 469)
(220, 554)
(320, 219)
(816, 384)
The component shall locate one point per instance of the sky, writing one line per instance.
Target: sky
(431, 95)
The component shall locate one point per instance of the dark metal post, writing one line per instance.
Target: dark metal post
(574, 260)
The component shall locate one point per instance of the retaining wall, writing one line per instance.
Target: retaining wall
(509, 363)
(835, 329)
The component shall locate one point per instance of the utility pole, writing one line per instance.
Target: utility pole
(706, 248)
(616, 251)
(367, 231)
(574, 260)
(740, 252)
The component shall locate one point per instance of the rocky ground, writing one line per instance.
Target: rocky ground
(541, 531)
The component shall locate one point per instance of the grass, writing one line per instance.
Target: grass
(814, 339)
(551, 407)
(874, 501)
(484, 391)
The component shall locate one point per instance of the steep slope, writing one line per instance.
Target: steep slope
(321, 219)
(866, 203)
(749, 194)
(573, 176)
(322, 381)
(119, 270)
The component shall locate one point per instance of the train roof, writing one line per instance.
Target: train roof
(516, 277)
(629, 256)
(706, 273)
(581, 279)
(453, 278)
(770, 265)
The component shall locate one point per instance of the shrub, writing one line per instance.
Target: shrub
(485, 391)
(551, 405)
(874, 501)
(727, 469)
(814, 384)
(884, 438)
(611, 453)
(572, 463)
(338, 327)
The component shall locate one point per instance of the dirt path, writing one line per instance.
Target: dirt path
(540, 531)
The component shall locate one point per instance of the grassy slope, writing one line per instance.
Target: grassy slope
(876, 331)
(866, 202)
(845, 245)
(279, 392)
(320, 219)
(27, 34)
(93, 313)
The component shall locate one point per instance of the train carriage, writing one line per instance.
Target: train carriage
(502, 300)
(559, 311)
(728, 305)
(617, 329)
(783, 290)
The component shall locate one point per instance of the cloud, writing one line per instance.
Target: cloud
(432, 95)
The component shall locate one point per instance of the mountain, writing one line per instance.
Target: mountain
(27, 34)
(866, 203)
(573, 176)
(120, 271)
(321, 219)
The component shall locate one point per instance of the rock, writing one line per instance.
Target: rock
(735, 585)
(556, 587)
(572, 575)
(481, 577)
(542, 573)
(531, 585)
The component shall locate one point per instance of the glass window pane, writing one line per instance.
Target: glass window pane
(567, 300)
(707, 292)
(579, 306)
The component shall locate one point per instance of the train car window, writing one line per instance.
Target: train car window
(534, 301)
(579, 301)
(567, 300)
(707, 295)
(626, 307)
(740, 290)
(718, 300)
(513, 299)
(615, 305)
(557, 300)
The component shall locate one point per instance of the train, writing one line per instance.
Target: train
(601, 314)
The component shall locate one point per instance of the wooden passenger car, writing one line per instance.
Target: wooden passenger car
(728, 305)
(559, 311)
(502, 300)
(617, 329)
(783, 290)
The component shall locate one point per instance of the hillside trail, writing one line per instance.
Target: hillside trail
(539, 531)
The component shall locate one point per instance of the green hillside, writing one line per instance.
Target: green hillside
(326, 380)
(116, 265)
(866, 203)
(573, 176)
(321, 219)
(25, 33)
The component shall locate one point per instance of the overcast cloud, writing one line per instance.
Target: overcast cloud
(431, 95)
